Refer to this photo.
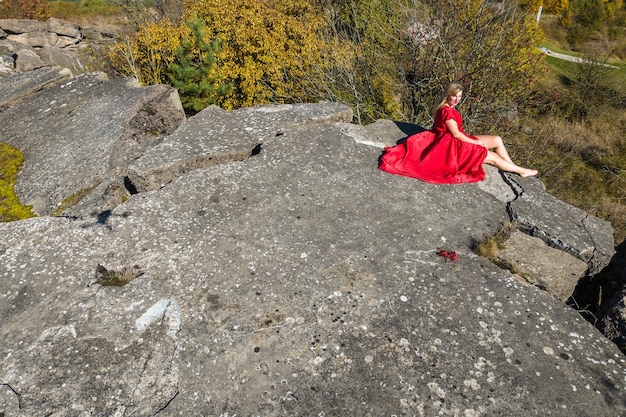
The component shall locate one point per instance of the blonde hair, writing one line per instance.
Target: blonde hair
(452, 90)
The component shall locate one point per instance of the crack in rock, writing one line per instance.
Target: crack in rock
(13, 396)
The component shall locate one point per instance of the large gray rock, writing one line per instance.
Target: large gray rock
(27, 60)
(66, 58)
(99, 32)
(20, 87)
(64, 28)
(22, 25)
(586, 237)
(602, 298)
(52, 25)
(108, 116)
(549, 268)
(35, 39)
(193, 145)
(37, 44)
(297, 280)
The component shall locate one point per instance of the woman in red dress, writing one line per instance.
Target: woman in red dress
(445, 154)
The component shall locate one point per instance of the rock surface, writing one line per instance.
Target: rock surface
(30, 44)
(551, 269)
(257, 262)
(75, 134)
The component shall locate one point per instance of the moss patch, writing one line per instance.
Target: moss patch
(11, 161)
(491, 245)
(72, 200)
(110, 277)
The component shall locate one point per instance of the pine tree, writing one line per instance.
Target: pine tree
(192, 71)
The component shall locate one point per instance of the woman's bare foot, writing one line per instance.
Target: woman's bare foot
(528, 172)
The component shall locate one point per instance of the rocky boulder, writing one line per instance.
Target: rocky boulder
(116, 120)
(257, 262)
(30, 44)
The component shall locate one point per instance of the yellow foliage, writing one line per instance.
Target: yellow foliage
(556, 6)
(549, 6)
(267, 45)
(268, 48)
(148, 55)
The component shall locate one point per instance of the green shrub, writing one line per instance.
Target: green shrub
(98, 7)
(63, 9)
(191, 73)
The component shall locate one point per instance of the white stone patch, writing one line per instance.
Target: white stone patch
(508, 351)
(480, 365)
(370, 143)
(57, 332)
(134, 305)
(173, 316)
(273, 108)
(334, 294)
(404, 298)
(472, 383)
(163, 308)
(548, 350)
(436, 389)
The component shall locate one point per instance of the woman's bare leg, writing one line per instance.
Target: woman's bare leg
(495, 143)
(504, 165)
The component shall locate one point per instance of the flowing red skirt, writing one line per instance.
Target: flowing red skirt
(443, 160)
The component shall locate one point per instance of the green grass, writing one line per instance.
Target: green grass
(72, 200)
(577, 142)
(560, 67)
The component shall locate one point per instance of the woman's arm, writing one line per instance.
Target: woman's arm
(453, 128)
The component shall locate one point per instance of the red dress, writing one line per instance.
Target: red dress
(435, 156)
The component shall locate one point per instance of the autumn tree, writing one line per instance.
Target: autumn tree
(548, 6)
(491, 48)
(398, 55)
(25, 9)
(148, 54)
(385, 58)
(267, 47)
(362, 47)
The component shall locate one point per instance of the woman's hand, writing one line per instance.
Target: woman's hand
(454, 130)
